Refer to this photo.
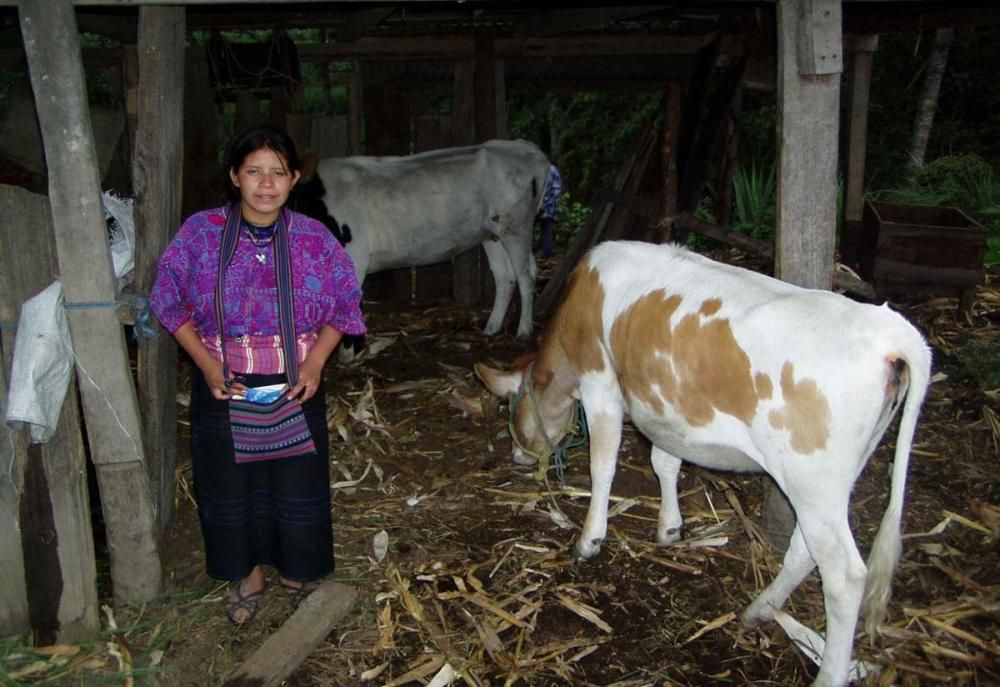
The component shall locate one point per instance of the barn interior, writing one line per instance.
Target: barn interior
(420, 76)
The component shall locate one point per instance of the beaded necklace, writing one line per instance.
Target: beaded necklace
(259, 236)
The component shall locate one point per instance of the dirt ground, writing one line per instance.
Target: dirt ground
(477, 574)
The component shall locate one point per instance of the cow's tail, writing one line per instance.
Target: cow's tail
(887, 547)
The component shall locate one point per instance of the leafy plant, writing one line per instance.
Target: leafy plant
(980, 360)
(754, 189)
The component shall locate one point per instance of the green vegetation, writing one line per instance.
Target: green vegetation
(980, 360)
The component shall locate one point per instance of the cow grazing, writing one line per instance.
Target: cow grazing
(426, 208)
(734, 370)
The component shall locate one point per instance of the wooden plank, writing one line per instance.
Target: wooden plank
(157, 172)
(466, 269)
(355, 112)
(202, 170)
(51, 501)
(860, 84)
(114, 431)
(819, 47)
(286, 649)
(14, 619)
(668, 154)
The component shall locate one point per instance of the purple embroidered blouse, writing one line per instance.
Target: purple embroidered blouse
(324, 284)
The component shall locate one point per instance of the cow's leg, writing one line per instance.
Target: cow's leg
(521, 262)
(843, 573)
(668, 524)
(605, 426)
(503, 280)
(824, 536)
(797, 564)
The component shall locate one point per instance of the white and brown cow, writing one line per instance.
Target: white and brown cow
(421, 209)
(734, 370)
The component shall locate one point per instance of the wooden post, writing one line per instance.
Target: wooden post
(52, 47)
(862, 50)
(809, 55)
(157, 178)
(668, 153)
(465, 267)
(355, 112)
(46, 490)
(203, 176)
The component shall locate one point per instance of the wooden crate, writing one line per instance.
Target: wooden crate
(923, 249)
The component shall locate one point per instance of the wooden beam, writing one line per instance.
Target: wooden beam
(360, 22)
(861, 57)
(576, 19)
(52, 46)
(286, 649)
(157, 179)
(456, 47)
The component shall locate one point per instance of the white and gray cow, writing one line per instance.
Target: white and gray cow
(417, 210)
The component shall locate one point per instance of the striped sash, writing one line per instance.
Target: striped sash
(278, 429)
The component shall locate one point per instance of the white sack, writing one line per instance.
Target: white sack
(43, 363)
(122, 237)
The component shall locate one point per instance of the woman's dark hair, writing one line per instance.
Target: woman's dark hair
(253, 140)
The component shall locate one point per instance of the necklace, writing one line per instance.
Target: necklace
(261, 237)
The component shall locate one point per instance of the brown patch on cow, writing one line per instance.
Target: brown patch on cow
(697, 366)
(765, 387)
(713, 370)
(577, 326)
(637, 336)
(710, 307)
(806, 413)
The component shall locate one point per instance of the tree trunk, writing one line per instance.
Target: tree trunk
(927, 105)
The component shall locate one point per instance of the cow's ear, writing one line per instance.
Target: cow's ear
(309, 161)
(500, 383)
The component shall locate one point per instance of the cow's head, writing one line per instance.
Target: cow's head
(540, 416)
(309, 197)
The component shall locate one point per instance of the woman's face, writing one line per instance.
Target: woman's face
(264, 182)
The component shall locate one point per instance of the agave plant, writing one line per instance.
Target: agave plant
(754, 200)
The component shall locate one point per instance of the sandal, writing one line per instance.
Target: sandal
(298, 592)
(237, 601)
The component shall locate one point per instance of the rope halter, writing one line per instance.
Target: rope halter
(575, 428)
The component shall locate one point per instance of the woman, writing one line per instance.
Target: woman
(268, 511)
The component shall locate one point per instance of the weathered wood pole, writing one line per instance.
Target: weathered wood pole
(157, 166)
(810, 60)
(52, 46)
(862, 50)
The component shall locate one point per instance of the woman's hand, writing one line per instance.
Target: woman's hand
(310, 376)
(221, 388)
(211, 367)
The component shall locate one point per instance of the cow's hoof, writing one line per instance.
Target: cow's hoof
(588, 549)
(756, 614)
(523, 336)
(519, 457)
(671, 536)
(491, 330)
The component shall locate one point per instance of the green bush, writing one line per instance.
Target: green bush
(980, 360)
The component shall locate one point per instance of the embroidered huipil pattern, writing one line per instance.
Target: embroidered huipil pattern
(324, 285)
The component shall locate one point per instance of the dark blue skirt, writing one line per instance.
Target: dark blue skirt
(274, 512)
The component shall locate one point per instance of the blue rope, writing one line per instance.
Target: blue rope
(144, 328)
